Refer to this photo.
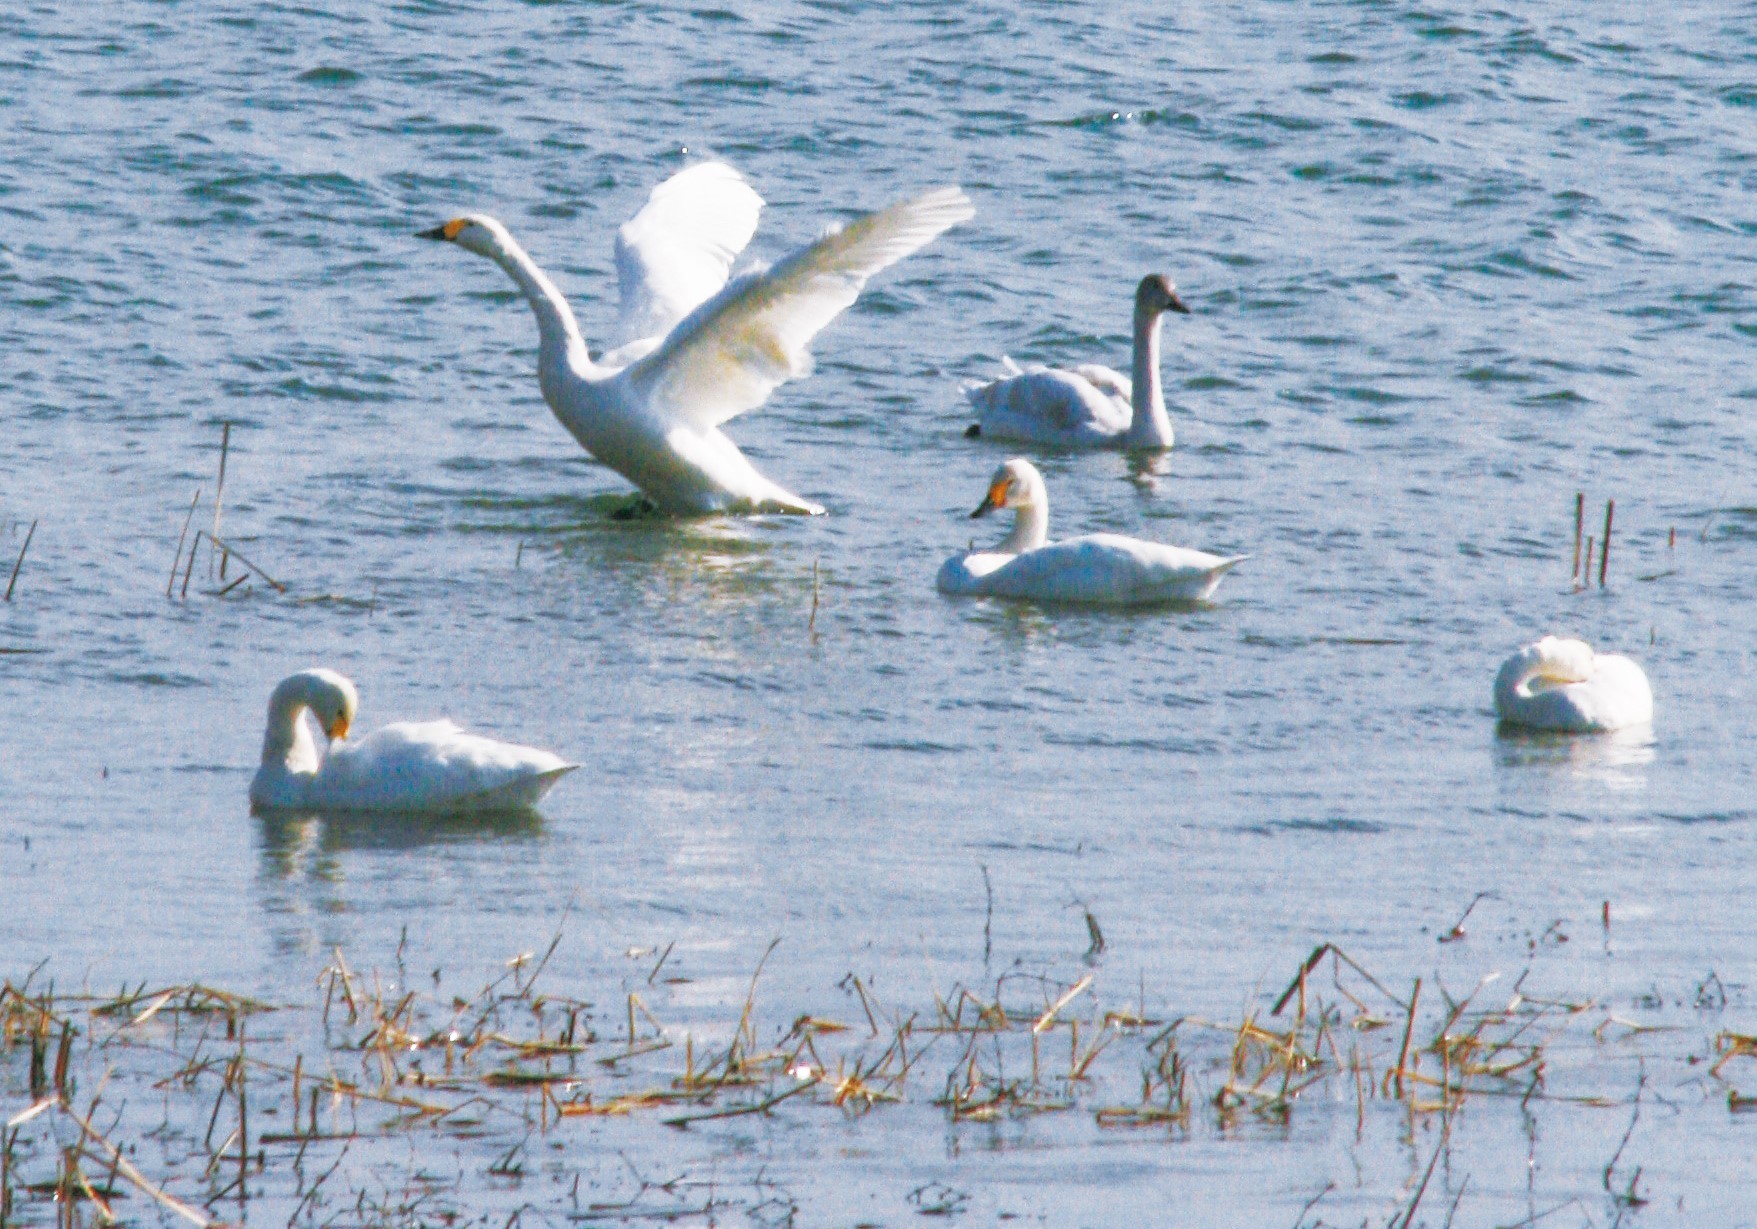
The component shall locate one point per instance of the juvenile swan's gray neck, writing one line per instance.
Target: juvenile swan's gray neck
(560, 347)
(1149, 427)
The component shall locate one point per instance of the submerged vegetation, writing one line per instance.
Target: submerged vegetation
(207, 1107)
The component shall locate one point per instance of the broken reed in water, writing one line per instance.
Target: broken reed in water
(517, 1059)
(1582, 576)
(13, 581)
(219, 498)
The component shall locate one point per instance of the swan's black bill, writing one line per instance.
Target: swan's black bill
(438, 232)
(1177, 305)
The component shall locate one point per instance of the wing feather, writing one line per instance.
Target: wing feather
(677, 251)
(729, 354)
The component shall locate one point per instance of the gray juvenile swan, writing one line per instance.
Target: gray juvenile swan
(412, 767)
(699, 350)
(1089, 406)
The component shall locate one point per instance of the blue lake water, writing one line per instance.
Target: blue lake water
(1447, 267)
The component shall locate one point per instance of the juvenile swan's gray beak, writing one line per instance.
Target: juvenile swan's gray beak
(1177, 305)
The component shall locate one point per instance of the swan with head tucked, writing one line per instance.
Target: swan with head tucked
(1089, 406)
(425, 767)
(1100, 568)
(1557, 684)
(698, 350)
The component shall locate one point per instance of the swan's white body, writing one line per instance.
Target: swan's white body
(1088, 406)
(1563, 685)
(697, 349)
(1100, 568)
(424, 767)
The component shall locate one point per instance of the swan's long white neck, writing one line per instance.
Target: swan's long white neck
(287, 743)
(1149, 427)
(1030, 524)
(560, 348)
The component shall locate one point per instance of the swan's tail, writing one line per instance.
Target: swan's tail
(521, 794)
(1009, 369)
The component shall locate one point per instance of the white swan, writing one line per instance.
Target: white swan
(1090, 406)
(699, 350)
(1563, 685)
(1103, 568)
(426, 767)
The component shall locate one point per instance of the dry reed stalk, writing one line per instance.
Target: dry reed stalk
(811, 623)
(62, 1054)
(1731, 1046)
(219, 497)
(236, 554)
(1408, 1215)
(8, 1138)
(1408, 1025)
(135, 1177)
(1047, 1019)
(21, 550)
(243, 1100)
(1604, 547)
(1579, 527)
(1588, 572)
(194, 549)
(762, 1107)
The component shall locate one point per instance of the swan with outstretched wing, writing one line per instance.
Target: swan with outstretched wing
(698, 349)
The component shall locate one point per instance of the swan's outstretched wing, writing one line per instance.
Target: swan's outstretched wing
(676, 252)
(731, 352)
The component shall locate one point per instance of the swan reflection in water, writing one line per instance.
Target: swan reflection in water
(1616, 759)
(299, 844)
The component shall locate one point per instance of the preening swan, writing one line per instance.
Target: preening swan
(1563, 685)
(1090, 406)
(426, 767)
(698, 350)
(1102, 568)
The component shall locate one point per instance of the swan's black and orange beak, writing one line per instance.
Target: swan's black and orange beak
(996, 498)
(1177, 305)
(446, 233)
(339, 728)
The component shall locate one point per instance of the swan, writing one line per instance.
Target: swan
(1090, 406)
(697, 349)
(422, 767)
(1103, 568)
(1556, 684)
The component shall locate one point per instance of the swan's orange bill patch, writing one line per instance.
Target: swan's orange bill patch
(997, 494)
(340, 728)
(453, 228)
